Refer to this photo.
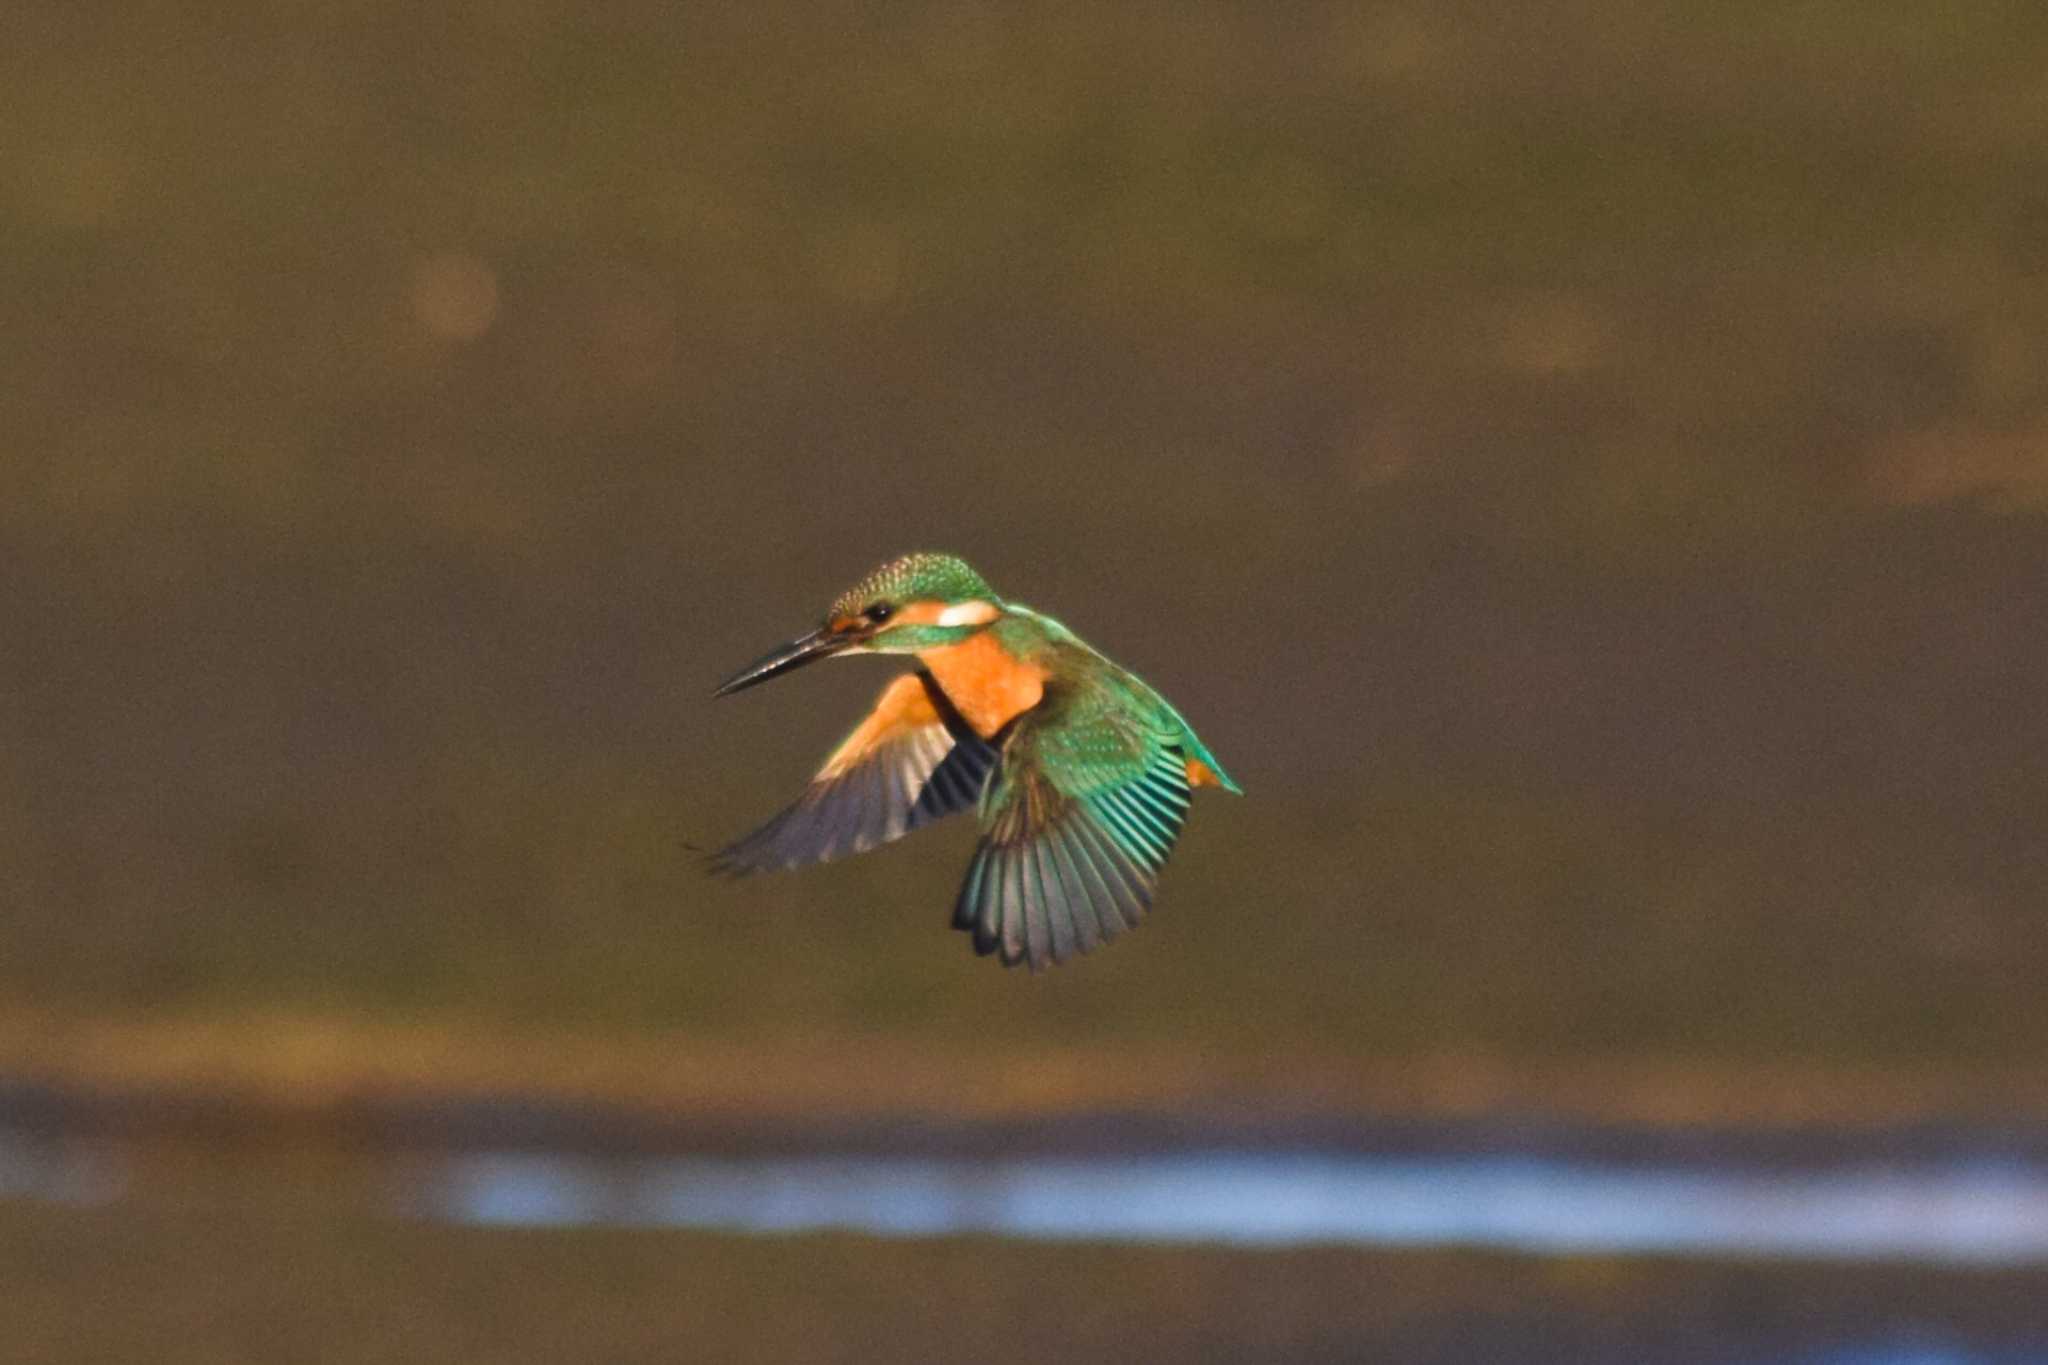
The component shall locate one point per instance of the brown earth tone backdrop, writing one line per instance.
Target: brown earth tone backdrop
(1584, 467)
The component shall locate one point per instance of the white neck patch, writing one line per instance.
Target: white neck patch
(972, 613)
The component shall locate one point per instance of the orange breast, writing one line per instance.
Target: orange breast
(987, 685)
(1201, 774)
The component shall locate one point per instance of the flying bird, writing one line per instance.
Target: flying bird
(1079, 773)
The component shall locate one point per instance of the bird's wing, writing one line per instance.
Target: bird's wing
(1081, 815)
(912, 761)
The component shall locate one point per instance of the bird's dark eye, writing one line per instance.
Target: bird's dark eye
(880, 612)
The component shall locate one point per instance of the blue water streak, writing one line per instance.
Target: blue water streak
(1980, 1214)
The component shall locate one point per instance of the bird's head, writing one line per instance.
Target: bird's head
(913, 603)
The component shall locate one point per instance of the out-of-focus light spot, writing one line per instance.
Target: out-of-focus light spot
(863, 265)
(454, 296)
(1554, 335)
(2006, 469)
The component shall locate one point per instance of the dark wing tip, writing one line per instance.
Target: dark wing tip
(726, 863)
(904, 784)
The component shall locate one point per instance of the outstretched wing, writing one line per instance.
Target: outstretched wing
(1081, 815)
(912, 761)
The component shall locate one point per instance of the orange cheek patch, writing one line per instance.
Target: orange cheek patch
(987, 686)
(918, 614)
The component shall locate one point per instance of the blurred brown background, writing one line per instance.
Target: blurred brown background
(1581, 465)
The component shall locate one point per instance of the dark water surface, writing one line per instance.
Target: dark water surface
(1972, 1212)
(1928, 1211)
(1936, 1209)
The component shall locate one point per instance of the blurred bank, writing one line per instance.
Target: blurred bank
(1583, 468)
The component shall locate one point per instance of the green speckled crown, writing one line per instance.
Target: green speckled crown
(913, 577)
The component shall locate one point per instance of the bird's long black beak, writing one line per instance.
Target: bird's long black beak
(817, 645)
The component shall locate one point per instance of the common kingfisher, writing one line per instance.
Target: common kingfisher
(1079, 772)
